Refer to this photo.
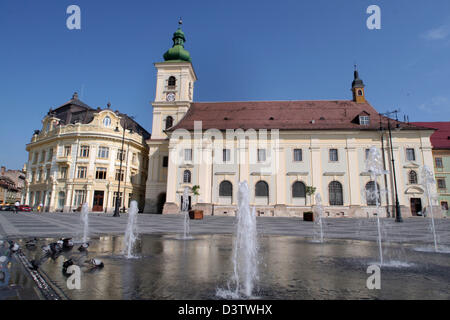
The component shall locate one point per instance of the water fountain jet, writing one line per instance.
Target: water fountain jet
(374, 165)
(318, 210)
(245, 249)
(185, 210)
(131, 231)
(429, 183)
(85, 221)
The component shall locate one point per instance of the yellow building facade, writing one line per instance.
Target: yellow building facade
(281, 148)
(76, 158)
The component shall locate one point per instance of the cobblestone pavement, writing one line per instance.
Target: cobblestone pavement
(413, 230)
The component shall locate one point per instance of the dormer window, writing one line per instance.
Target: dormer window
(172, 82)
(107, 122)
(364, 120)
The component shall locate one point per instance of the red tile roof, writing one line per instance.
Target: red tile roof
(284, 115)
(441, 137)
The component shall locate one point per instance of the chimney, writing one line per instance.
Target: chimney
(3, 170)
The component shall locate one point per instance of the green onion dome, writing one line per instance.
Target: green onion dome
(177, 52)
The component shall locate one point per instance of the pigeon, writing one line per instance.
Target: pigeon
(14, 246)
(46, 248)
(97, 263)
(84, 246)
(31, 243)
(67, 243)
(67, 264)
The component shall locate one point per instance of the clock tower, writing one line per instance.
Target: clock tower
(174, 86)
(174, 94)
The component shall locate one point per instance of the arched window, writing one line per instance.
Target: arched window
(412, 177)
(298, 190)
(169, 122)
(107, 121)
(261, 189)
(335, 193)
(187, 176)
(172, 81)
(359, 92)
(225, 189)
(372, 197)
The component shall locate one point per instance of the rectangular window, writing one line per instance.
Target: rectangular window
(367, 154)
(50, 155)
(441, 183)
(47, 174)
(33, 176)
(444, 205)
(81, 173)
(35, 158)
(334, 155)
(438, 162)
(165, 163)
(364, 120)
(100, 173)
(79, 198)
(121, 154)
(226, 155)
(42, 156)
(261, 155)
(188, 154)
(410, 154)
(298, 155)
(115, 197)
(134, 158)
(67, 150)
(84, 151)
(133, 177)
(40, 175)
(119, 175)
(103, 152)
(63, 173)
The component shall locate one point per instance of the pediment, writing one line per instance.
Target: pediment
(411, 165)
(414, 190)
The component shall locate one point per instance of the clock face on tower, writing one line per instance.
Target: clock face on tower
(170, 97)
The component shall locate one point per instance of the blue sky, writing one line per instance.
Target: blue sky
(241, 50)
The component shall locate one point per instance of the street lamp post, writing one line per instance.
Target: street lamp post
(398, 213)
(118, 197)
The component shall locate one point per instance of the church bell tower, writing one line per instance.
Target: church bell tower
(174, 86)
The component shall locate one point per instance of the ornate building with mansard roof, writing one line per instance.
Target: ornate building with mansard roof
(283, 149)
(76, 158)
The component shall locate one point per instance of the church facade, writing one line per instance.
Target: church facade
(287, 151)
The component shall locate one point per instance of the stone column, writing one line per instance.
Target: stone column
(316, 170)
(353, 184)
(172, 182)
(279, 170)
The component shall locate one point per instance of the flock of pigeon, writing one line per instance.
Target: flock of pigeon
(52, 250)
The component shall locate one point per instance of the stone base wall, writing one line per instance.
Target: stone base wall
(171, 208)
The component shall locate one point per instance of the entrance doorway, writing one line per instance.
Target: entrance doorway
(98, 201)
(416, 207)
(161, 202)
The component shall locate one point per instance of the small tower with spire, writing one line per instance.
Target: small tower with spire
(358, 88)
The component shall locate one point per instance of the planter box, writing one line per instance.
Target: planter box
(308, 216)
(196, 214)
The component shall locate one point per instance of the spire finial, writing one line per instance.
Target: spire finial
(108, 104)
(180, 22)
(75, 96)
